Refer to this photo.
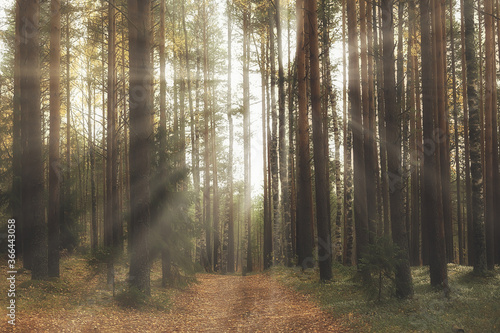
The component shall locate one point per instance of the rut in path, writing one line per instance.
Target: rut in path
(253, 303)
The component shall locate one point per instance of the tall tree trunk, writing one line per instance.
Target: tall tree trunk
(206, 156)
(141, 130)
(360, 204)
(478, 227)
(285, 191)
(165, 223)
(457, 142)
(230, 248)
(274, 145)
(55, 126)
(489, 117)
(370, 180)
(247, 134)
(304, 205)
(432, 222)
(216, 217)
(415, 144)
(348, 212)
(31, 131)
(94, 238)
(320, 160)
(496, 152)
(404, 287)
(292, 80)
(468, 182)
(111, 222)
(442, 124)
(268, 229)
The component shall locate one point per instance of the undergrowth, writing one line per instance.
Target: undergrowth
(472, 305)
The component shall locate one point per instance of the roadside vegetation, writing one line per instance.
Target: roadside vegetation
(472, 304)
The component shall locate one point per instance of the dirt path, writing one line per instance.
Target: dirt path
(254, 303)
(217, 303)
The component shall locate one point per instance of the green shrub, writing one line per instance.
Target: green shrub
(379, 262)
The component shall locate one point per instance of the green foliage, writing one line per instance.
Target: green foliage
(380, 262)
(474, 305)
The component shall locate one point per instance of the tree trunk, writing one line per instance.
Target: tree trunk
(348, 212)
(468, 182)
(55, 126)
(274, 146)
(304, 205)
(490, 117)
(230, 248)
(247, 134)
(283, 167)
(457, 142)
(432, 222)
(360, 204)
(320, 160)
(31, 131)
(206, 156)
(404, 287)
(141, 130)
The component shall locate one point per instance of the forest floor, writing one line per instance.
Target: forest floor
(80, 301)
(278, 300)
(471, 305)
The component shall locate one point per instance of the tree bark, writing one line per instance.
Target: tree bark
(55, 126)
(404, 287)
(320, 160)
(432, 222)
(304, 205)
(31, 130)
(141, 130)
(360, 204)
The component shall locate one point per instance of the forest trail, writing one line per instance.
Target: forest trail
(215, 303)
(255, 303)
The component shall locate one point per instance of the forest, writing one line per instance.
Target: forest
(177, 154)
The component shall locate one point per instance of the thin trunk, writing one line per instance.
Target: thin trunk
(468, 182)
(478, 226)
(246, 135)
(320, 160)
(274, 147)
(55, 127)
(206, 156)
(348, 212)
(285, 192)
(489, 118)
(457, 142)
(404, 287)
(165, 222)
(360, 204)
(268, 229)
(230, 249)
(304, 205)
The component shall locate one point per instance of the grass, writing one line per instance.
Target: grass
(473, 304)
(82, 286)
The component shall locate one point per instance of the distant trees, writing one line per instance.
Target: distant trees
(145, 158)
